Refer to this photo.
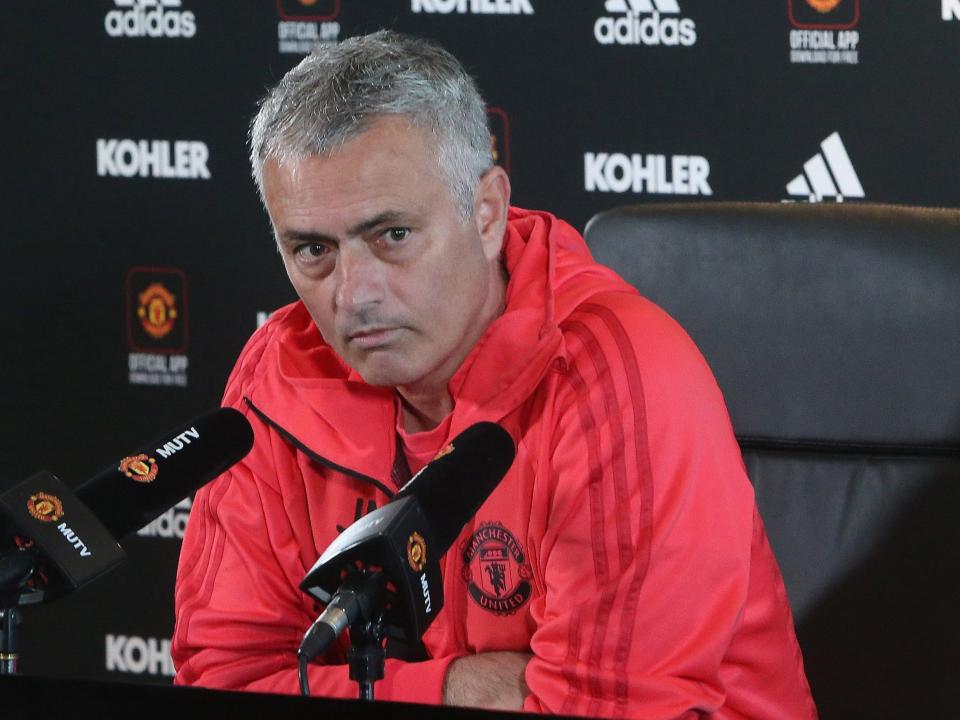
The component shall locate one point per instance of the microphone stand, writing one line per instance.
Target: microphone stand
(367, 654)
(363, 597)
(9, 650)
(15, 570)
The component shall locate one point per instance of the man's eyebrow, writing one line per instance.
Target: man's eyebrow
(296, 237)
(387, 217)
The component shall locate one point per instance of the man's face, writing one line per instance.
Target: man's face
(399, 284)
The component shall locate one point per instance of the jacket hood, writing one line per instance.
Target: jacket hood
(309, 391)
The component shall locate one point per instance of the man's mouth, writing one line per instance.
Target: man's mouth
(372, 336)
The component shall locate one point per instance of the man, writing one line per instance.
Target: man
(619, 569)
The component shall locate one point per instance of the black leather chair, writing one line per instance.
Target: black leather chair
(834, 332)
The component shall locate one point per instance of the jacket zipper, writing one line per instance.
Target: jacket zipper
(412, 652)
(315, 456)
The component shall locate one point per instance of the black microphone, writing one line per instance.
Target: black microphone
(74, 533)
(131, 493)
(403, 542)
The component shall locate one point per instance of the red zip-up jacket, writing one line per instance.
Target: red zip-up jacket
(623, 549)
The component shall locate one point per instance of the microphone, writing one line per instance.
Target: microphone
(389, 559)
(127, 495)
(73, 534)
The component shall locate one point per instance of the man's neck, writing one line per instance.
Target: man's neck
(424, 411)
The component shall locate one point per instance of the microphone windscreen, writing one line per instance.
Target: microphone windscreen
(132, 492)
(452, 487)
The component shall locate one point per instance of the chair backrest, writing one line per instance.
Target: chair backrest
(834, 332)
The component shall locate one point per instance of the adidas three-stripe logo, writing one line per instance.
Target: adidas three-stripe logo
(667, 7)
(828, 174)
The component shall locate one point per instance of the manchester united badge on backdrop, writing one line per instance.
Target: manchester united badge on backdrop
(305, 24)
(824, 14)
(823, 32)
(157, 329)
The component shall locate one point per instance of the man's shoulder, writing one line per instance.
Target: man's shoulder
(623, 335)
(623, 319)
(258, 357)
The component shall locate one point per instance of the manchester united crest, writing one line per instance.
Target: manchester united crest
(141, 468)
(823, 6)
(45, 507)
(157, 310)
(417, 552)
(496, 570)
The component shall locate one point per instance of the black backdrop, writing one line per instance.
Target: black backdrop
(107, 217)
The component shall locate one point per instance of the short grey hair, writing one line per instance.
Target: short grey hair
(337, 91)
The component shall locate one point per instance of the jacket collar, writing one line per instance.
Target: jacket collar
(310, 392)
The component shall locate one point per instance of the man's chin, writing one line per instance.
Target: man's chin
(383, 376)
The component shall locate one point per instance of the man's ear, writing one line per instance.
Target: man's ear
(490, 205)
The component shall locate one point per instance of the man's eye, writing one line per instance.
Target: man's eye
(397, 234)
(311, 252)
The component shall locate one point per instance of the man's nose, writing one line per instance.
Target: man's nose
(359, 279)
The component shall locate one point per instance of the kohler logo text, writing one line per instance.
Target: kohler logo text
(138, 655)
(179, 159)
